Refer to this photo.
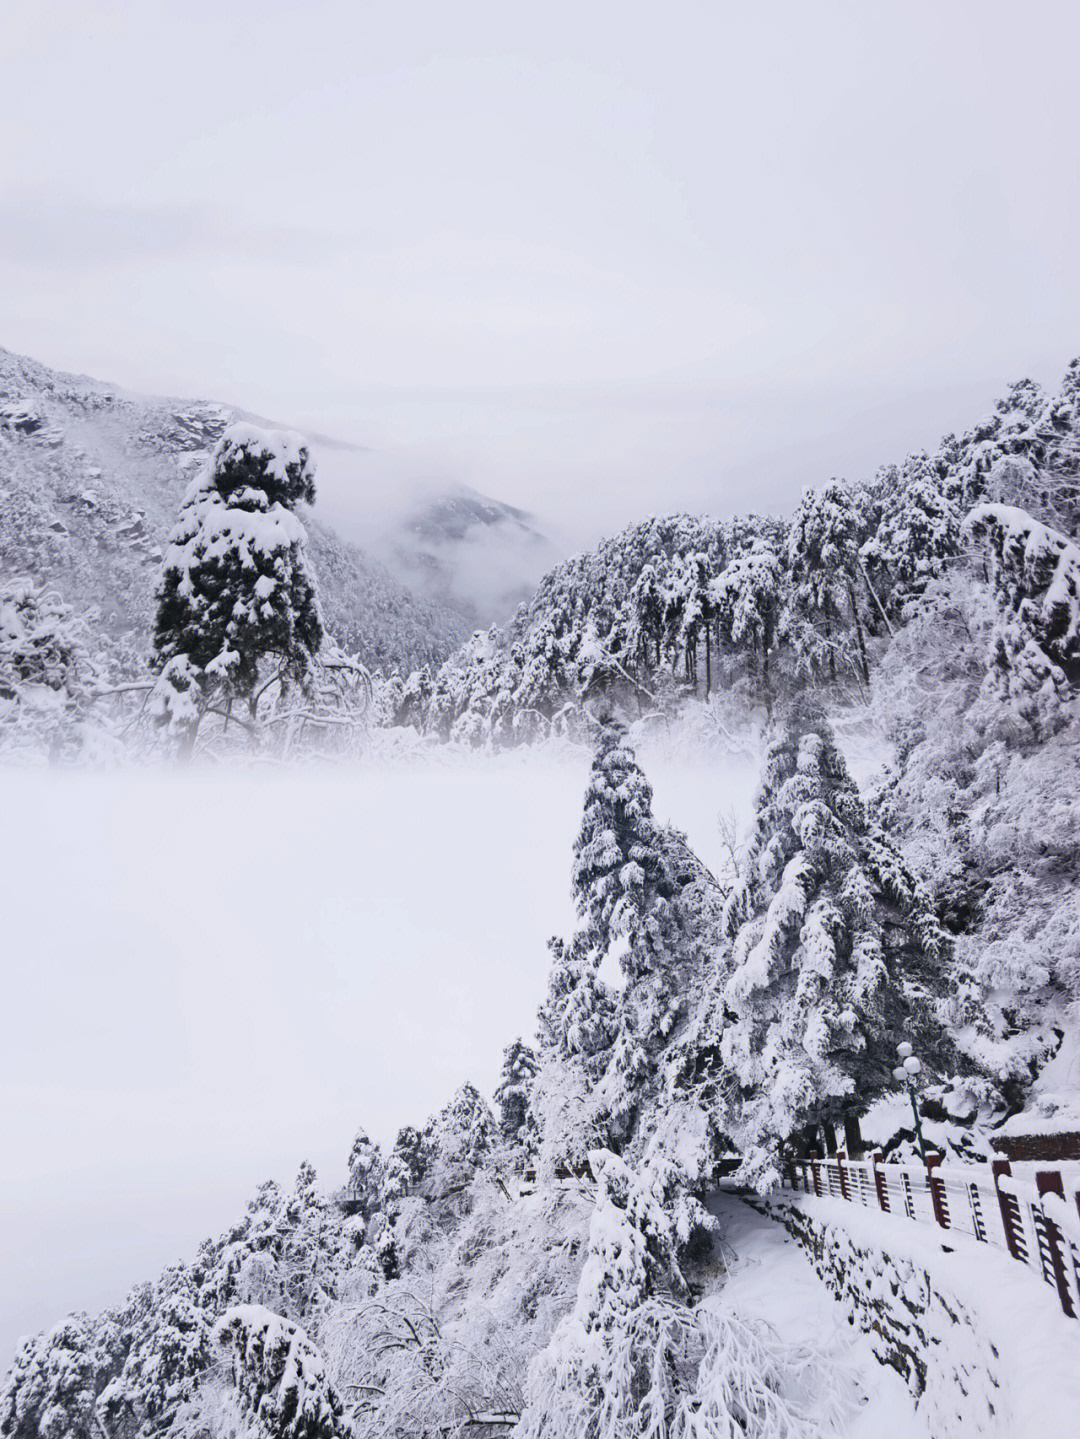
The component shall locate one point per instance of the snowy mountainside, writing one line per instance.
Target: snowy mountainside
(547, 1265)
(524, 1267)
(754, 606)
(90, 481)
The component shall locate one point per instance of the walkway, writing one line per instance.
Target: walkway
(771, 1279)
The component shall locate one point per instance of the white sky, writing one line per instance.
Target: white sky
(597, 259)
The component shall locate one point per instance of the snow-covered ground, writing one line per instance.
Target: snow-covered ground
(770, 1278)
(214, 975)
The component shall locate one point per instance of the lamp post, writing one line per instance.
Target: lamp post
(905, 1073)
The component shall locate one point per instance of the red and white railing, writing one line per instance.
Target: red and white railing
(1036, 1221)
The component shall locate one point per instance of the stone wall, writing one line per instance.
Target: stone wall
(923, 1332)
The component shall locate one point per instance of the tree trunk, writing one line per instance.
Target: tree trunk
(874, 596)
(859, 639)
(186, 747)
(853, 1140)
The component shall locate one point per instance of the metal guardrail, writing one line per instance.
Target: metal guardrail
(1034, 1222)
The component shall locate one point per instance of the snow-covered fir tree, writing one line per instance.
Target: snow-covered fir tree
(639, 881)
(1035, 572)
(236, 604)
(576, 1025)
(619, 877)
(280, 1377)
(458, 1140)
(48, 675)
(513, 1094)
(837, 955)
(916, 536)
(824, 613)
(365, 1168)
(749, 597)
(406, 1166)
(53, 1385)
(169, 1351)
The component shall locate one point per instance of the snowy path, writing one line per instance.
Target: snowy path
(770, 1278)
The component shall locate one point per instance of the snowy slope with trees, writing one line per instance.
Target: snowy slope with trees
(544, 1264)
(90, 481)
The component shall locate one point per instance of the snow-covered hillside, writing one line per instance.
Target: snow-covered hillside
(862, 720)
(90, 481)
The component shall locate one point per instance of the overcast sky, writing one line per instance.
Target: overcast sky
(597, 259)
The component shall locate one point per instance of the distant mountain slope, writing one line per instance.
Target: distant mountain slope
(90, 481)
(466, 550)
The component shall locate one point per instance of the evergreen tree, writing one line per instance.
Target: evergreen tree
(236, 597)
(280, 1377)
(458, 1140)
(646, 619)
(47, 674)
(1036, 577)
(52, 1388)
(365, 1166)
(640, 881)
(513, 1093)
(917, 533)
(594, 1376)
(837, 955)
(576, 1025)
(618, 876)
(749, 599)
(823, 555)
(406, 1167)
(577, 1018)
(169, 1351)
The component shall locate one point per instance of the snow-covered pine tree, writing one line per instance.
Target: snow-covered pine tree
(916, 534)
(577, 1017)
(646, 615)
(591, 1380)
(47, 674)
(748, 598)
(458, 1140)
(52, 1388)
(837, 956)
(1035, 572)
(169, 1350)
(406, 1167)
(236, 603)
(618, 876)
(280, 1377)
(823, 555)
(365, 1167)
(1060, 428)
(513, 1093)
(639, 881)
(575, 1025)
